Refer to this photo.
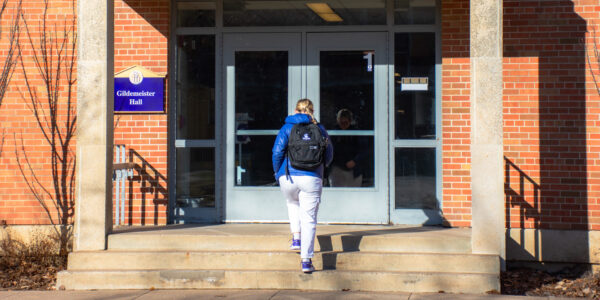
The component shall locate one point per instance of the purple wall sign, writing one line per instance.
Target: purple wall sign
(139, 94)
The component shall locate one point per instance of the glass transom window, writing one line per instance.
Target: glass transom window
(303, 13)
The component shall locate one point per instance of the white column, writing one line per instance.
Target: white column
(487, 174)
(95, 68)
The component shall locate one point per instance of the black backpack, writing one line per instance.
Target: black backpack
(306, 147)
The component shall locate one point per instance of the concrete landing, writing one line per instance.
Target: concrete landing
(265, 237)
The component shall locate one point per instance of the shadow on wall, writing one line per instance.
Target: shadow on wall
(141, 32)
(3, 136)
(156, 13)
(152, 187)
(552, 35)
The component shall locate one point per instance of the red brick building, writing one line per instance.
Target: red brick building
(415, 74)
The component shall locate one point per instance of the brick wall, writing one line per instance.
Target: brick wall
(593, 118)
(31, 191)
(456, 116)
(550, 115)
(141, 34)
(141, 38)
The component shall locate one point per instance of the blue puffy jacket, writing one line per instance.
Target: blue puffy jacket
(280, 149)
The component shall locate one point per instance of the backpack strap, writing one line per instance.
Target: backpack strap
(287, 163)
(287, 158)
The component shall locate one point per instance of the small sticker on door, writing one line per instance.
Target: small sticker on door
(414, 84)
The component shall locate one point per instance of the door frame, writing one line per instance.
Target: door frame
(243, 201)
(219, 30)
(418, 216)
(200, 214)
(408, 215)
(341, 204)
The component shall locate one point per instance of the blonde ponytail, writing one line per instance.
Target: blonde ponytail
(305, 106)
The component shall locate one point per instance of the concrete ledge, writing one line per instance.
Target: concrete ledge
(26, 233)
(241, 279)
(288, 260)
(552, 267)
(553, 246)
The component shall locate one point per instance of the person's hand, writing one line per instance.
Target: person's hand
(350, 164)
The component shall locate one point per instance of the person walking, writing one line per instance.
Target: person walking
(301, 187)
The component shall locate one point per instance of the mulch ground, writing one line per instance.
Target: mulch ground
(30, 274)
(32, 265)
(538, 283)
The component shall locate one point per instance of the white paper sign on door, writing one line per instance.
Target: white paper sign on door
(415, 84)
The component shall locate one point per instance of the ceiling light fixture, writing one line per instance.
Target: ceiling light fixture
(324, 11)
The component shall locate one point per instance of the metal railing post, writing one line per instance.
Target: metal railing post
(121, 171)
(117, 186)
(123, 180)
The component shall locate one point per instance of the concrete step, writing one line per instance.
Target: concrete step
(332, 280)
(282, 260)
(258, 237)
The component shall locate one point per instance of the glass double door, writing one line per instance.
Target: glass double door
(345, 75)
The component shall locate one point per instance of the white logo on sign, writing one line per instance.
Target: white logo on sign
(136, 77)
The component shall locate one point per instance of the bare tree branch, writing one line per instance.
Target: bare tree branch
(34, 185)
(12, 56)
(593, 59)
(10, 60)
(53, 56)
(2, 142)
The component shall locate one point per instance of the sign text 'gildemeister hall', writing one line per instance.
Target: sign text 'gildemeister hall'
(139, 90)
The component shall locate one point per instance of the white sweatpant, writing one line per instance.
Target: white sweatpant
(303, 195)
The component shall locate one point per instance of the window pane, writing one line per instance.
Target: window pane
(415, 178)
(414, 12)
(347, 105)
(303, 13)
(347, 83)
(414, 86)
(195, 177)
(196, 14)
(359, 150)
(196, 87)
(261, 89)
(253, 161)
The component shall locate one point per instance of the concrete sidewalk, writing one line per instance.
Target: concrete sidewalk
(243, 294)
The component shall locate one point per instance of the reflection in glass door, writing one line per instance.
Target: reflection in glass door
(195, 134)
(347, 80)
(347, 104)
(262, 74)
